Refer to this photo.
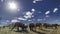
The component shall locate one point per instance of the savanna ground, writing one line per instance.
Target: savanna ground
(7, 30)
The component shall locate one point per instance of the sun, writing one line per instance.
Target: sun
(12, 5)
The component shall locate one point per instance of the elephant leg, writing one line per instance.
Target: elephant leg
(12, 28)
(25, 28)
(22, 28)
(55, 27)
(30, 28)
(17, 28)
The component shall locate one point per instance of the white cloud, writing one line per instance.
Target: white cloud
(18, 9)
(34, 1)
(39, 12)
(28, 15)
(22, 19)
(47, 12)
(32, 16)
(15, 20)
(47, 15)
(39, 19)
(4, 22)
(44, 19)
(33, 10)
(2, 0)
(55, 10)
(7, 21)
(56, 20)
(29, 20)
(38, 0)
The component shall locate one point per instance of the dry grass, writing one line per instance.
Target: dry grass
(6, 30)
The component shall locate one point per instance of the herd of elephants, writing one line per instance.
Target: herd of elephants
(33, 25)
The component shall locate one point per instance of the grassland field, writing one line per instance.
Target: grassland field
(7, 30)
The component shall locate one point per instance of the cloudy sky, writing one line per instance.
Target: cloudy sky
(26, 11)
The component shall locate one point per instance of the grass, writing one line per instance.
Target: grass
(6, 30)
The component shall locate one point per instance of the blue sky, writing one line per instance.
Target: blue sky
(46, 11)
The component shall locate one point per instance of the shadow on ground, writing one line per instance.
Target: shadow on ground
(22, 31)
(26, 31)
(38, 32)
